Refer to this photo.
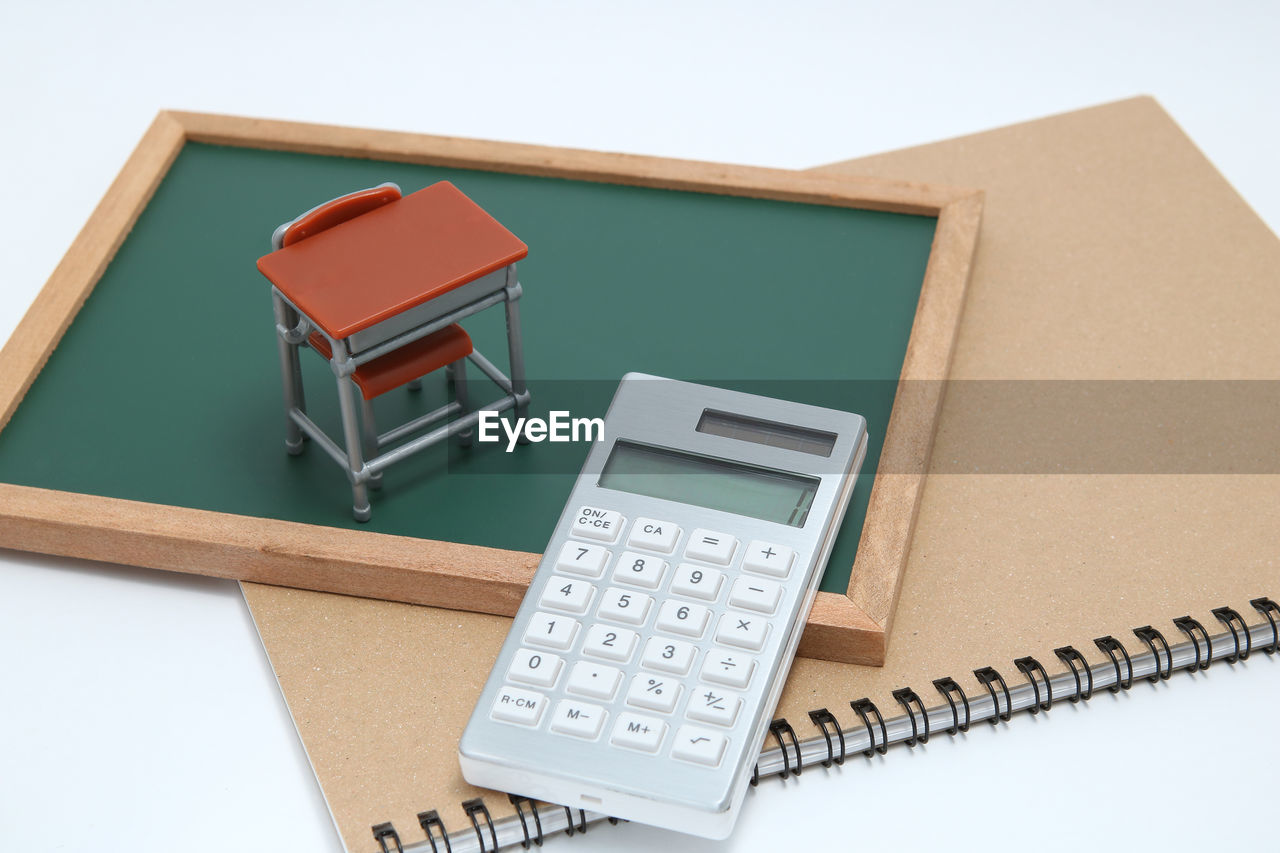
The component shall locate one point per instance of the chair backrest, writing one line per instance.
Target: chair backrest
(333, 212)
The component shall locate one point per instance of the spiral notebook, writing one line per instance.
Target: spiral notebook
(1101, 228)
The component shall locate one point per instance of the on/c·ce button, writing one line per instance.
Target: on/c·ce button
(594, 523)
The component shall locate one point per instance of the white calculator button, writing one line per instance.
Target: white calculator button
(571, 596)
(699, 745)
(583, 558)
(604, 641)
(697, 582)
(638, 570)
(623, 605)
(541, 669)
(680, 618)
(768, 559)
(732, 669)
(655, 692)
(580, 719)
(638, 732)
(711, 547)
(522, 707)
(554, 632)
(744, 630)
(654, 535)
(713, 705)
(674, 656)
(756, 594)
(594, 523)
(593, 679)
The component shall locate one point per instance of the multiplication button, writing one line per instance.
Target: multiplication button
(743, 630)
(594, 523)
(711, 547)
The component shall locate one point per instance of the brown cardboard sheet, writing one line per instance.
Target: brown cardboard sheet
(1111, 249)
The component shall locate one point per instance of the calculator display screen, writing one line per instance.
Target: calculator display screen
(660, 472)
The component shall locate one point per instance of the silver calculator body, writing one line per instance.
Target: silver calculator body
(645, 662)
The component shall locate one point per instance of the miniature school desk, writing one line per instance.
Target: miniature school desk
(816, 289)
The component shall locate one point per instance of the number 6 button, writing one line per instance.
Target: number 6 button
(680, 618)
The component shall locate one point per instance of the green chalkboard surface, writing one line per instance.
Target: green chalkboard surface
(166, 388)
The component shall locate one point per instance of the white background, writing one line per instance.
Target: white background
(137, 709)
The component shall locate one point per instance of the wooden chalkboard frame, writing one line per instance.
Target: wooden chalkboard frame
(852, 628)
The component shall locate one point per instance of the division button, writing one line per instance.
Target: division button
(768, 559)
(522, 707)
(698, 745)
(594, 523)
(711, 547)
(654, 535)
(635, 731)
(580, 719)
(732, 669)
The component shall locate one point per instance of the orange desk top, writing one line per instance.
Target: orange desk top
(389, 260)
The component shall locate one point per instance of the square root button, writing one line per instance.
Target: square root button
(699, 745)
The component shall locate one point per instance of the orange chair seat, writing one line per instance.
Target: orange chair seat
(407, 363)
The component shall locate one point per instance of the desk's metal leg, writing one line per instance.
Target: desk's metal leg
(290, 372)
(515, 345)
(369, 431)
(458, 370)
(351, 437)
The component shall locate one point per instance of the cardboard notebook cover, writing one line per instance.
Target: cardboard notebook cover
(1111, 250)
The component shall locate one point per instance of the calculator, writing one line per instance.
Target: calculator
(645, 662)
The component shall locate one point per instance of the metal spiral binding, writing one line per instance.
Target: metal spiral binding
(872, 734)
(778, 728)
(1030, 668)
(949, 688)
(906, 697)
(384, 832)
(1271, 610)
(1070, 655)
(863, 707)
(519, 802)
(1111, 645)
(473, 809)
(822, 718)
(1229, 617)
(429, 821)
(988, 677)
(1192, 627)
(1151, 636)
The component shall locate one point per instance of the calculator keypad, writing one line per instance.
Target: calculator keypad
(661, 677)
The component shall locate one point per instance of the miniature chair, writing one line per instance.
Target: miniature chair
(447, 348)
